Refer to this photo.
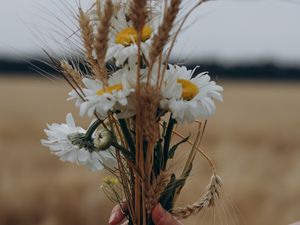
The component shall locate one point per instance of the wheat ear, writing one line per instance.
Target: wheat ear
(68, 70)
(208, 200)
(87, 34)
(101, 42)
(149, 99)
(138, 14)
(163, 34)
(156, 189)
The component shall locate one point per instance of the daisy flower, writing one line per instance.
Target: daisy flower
(123, 37)
(68, 143)
(197, 97)
(101, 99)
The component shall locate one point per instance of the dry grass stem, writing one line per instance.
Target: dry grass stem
(139, 159)
(125, 182)
(198, 149)
(101, 43)
(208, 200)
(189, 163)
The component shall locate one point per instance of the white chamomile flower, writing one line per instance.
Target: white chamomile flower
(123, 37)
(197, 97)
(100, 98)
(66, 141)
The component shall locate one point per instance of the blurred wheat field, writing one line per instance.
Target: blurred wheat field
(254, 140)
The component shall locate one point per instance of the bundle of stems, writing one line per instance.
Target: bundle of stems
(134, 107)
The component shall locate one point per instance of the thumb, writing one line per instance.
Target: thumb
(162, 217)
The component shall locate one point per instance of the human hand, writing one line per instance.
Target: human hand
(297, 223)
(159, 216)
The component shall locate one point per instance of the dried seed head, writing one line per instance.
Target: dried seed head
(148, 101)
(138, 14)
(69, 71)
(155, 190)
(103, 139)
(88, 38)
(162, 36)
(101, 42)
(208, 200)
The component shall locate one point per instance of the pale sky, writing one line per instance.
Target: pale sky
(225, 30)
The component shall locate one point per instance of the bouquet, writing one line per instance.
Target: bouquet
(136, 99)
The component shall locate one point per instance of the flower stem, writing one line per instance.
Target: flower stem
(91, 130)
(127, 135)
(167, 141)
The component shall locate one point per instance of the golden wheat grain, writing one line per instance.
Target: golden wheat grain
(149, 99)
(87, 34)
(138, 13)
(156, 189)
(69, 71)
(208, 200)
(101, 42)
(162, 36)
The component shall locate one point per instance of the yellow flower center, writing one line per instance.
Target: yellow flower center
(189, 89)
(129, 35)
(110, 89)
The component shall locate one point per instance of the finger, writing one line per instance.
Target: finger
(298, 223)
(162, 217)
(126, 223)
(117, 215)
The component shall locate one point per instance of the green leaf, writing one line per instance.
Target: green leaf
(167, 197)
(127, 135)
(174, 147)
(167, 141)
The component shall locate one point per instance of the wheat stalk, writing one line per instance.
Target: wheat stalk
(101, 42)
(87, 34)
(208, 200)
(147, 128)
(149, 99)
(163, 34)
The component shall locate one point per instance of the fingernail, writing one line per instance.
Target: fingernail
(112, 217)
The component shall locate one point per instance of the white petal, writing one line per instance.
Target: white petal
(70, 121)
(82, 156)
